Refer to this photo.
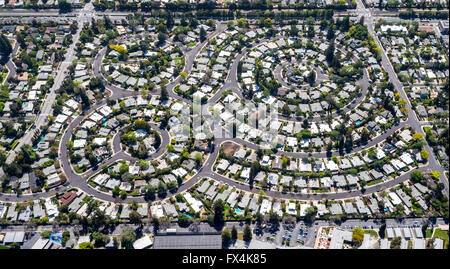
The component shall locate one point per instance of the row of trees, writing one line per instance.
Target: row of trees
(410, 14)
(5, 46)
(209, 5)
(64, 6)
(229, 238)
(410, 4)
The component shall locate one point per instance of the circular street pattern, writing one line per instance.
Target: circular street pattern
(338, 131)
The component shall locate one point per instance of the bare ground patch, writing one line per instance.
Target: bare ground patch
(229, 148)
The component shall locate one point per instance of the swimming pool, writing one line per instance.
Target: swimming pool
(140, 131)
(358, 122)
(56, 238)
(189, 216)
(238, 211)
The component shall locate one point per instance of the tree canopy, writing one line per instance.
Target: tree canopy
(247, 233)
(127, 237)
(358, 235)
(5, 45)
(226, 238)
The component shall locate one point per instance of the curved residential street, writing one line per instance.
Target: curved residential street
(10, 64)
(231, 82)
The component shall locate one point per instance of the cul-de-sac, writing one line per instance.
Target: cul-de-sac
(235, 124)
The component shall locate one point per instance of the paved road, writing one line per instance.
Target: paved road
(10, 64)
(369, 144)
(412, 117)
(233, 84)
(26, 118)
(190, 54)
(61, 73)
(206, 171)
(79, 181)
(310, 196)
(165, 139)
(309, 242)
(278, 74)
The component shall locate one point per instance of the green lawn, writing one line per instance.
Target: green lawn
(373, 182)
(438, 233)
(371, 232)
(3, 247)
(429, 233)
(92, 184)
(240, 235)
(192, 44)
(78, 170)
(319, 191)
(326, 229)
(14, 144)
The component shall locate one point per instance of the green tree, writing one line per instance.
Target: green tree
(417, 136)
(331, 32)
(183, 220)
(242, 23)
(142, 124)
(162, 38)
(46, 234)
(382, 230)
(202, 34)
(123, 194)
(226, 238)
(124, 168)
(162, 189)
(5, 45)
(267, 22)
(218, 213)
(396, 242)
(64, 7)
(15, 245)
(329, 52)
(310, 214)
(161, 28)
(198, 157)
(358, 235)
(116, 191)
(100, 239)
(127, 237)
(135, 217)
(416, 176)
(424, 154)
(164, 94)
(247, 233)
(150, 193)
(312, 77)
(65, 238)
(435, 174)
(172, 186)
(254, 170)
(86, 245)
(358, 31)
(234, 233)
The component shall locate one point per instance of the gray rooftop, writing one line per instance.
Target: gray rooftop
(188, 241)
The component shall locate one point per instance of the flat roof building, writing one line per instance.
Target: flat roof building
(188, 241)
